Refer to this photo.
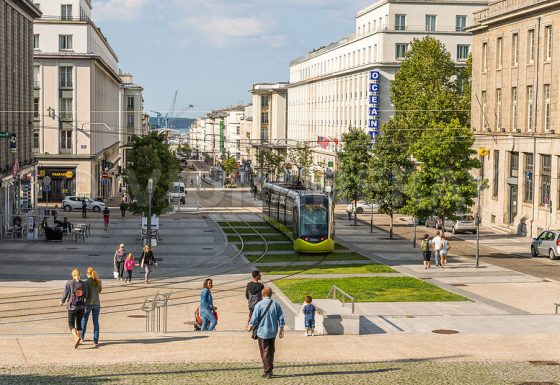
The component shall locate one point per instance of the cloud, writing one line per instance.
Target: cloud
(233, 26)
(118, 10)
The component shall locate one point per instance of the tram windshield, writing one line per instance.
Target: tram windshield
(314, 216)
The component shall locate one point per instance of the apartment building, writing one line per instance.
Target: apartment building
(515, 114)
(347, 83)
(16, 105)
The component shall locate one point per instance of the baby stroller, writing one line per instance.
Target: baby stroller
(198, 319)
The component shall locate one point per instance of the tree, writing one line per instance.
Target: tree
(270, 163)
(149, 158)
(353, 160)
(443, 184)
(388, 171)
(302, 159)
(228, 166)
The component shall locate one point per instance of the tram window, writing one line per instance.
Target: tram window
(314, 218)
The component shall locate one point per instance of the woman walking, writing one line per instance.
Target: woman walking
(444, 250)
(118, 261)
(147, 260)
(207, 306)
(74, 296)
(93, 305)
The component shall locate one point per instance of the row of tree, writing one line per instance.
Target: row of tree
(421, 163)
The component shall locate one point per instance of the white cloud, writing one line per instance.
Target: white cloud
(118, 10)
(232, 26)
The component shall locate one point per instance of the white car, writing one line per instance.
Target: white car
(75, 203)
(547, 243)
(363, 207)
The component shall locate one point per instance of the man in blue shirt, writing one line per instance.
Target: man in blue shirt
(267, 317)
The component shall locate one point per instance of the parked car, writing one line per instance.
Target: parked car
(363, 207)
(70, 203)
(431, 221)
(464, 223)
(547, 243)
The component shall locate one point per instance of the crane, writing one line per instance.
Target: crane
(158, 115)
(171, 111)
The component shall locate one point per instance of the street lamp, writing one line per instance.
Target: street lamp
(150, 190)
(478, 190)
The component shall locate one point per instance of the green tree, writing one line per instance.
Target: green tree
(388, 171)
(271, 163)
(149, 158)
(228, 166)
(443, 184)
(302, 159)
(353, 160)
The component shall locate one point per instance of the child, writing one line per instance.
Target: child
(309, 311)
(128, 264)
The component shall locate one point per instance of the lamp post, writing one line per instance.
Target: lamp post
(478, 189)
(149, 190)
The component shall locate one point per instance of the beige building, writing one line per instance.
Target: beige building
(515, 96)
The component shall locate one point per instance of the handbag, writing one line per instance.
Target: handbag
(115, 274)
(254, 331)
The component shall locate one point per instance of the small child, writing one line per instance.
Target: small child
(128, 264)
(309, 311)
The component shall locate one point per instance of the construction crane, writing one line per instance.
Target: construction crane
(171, 111)
(158, 115)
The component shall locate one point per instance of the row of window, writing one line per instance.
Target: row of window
(65, 42)
(430, 23)
(462, 51)
(529, 120)
(515, 48)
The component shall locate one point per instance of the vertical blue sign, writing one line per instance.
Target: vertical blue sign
(374, 104)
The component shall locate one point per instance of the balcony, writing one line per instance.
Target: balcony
(66, 85)
(66, 115)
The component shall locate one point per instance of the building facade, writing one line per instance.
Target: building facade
(515, 115)
(330, 88)
(16, 105)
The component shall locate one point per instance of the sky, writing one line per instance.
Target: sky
(213, 51)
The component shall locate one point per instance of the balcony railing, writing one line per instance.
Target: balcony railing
(63, 18)
(66, 84)
(65, 115)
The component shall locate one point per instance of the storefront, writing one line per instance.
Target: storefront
(63, 183)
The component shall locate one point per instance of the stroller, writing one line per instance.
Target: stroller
(198, 319)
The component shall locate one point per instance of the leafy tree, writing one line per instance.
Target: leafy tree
(149, 158)
(388, 171)
(302, 159)
(443, 184)
(270, 163)
(353, 160)
(228, 166)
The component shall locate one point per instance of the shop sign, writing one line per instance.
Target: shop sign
(374, 104)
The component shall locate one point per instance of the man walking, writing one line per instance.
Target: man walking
(436, 247)
(84, 208)
(106, 214)
(253, 292)
(267, 318)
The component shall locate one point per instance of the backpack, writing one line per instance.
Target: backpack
(78, 297)
(254, 299)
(425, 244)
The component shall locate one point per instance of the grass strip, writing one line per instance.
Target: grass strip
(271, 247)
(248, 230)
(242, 224)
(329, 269)
(257, 238)
(370, 289)
(307, 257)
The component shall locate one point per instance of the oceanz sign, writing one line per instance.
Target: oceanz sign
(374, 104)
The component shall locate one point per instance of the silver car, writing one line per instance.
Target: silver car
(70, 203)
(464, 224)
(547, 243)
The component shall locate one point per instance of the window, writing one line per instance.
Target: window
(264, 101)
(430, 23)
(484, 57)
(36, 108)
(400, 50)
(65, 109)
(264, 117)
(514, 109)
(514, 164)
(65, 77)
(375, 52)
(460, 23)
(529, 108)
(547, 107)
(462, 52)
(498, 109)
(400, 22)
(484, 110)
(65, 42)
(548, 42)
(528, 177)
(531, 45)
(65, 137)
(66, 12)
(514, 49)
(36, 138)
(130, 101)
(499, 52)
(130, 120)
(546, 163)
(496, 174)
(36, 41)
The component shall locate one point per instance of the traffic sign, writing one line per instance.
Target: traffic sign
(5, 135)
(105, 176)
(47, 180)
(47, 188)
(104, 182)
(483, 151)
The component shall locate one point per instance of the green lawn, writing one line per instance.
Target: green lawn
(271, 247)
(338, 246)
(329, 269)
(254, 224)
(371, 289)
(308, 257)
(257, 238)
(248, 230)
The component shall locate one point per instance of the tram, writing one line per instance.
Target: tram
(307, 217)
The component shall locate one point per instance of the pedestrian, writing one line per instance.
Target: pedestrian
(426, 252)
(55, 212)
(268, 319)
(255, 191)
(118, 261)
(309, 314)
(444, 250)
(123, 208)
(436, 248)
(84, 208)
(207, 307)
(147, 261)
(128, 265)
(74, 295)
(253, 292)
(106, 213)
(349, 210)
(93, 305)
